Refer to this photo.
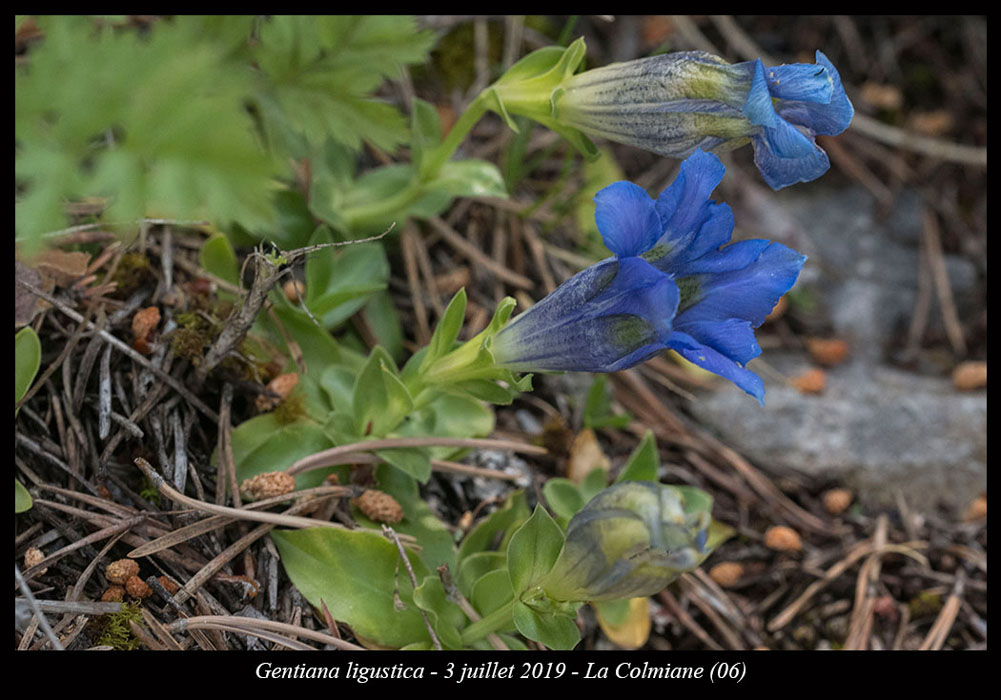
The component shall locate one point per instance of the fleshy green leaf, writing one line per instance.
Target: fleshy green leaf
(533, 550)
(27, 359)
(380, 399)
(264, 444)
(22, 499)
(563, 497)
(357, 574)
(554, 630)
(491, 591)
(476, 566)
(444, 615)
(447, 330)
(217, 256)
(494, 532)
(643, 463)
(340, 280)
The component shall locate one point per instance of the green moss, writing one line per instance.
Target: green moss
(117, 634)
(133, 269)
(188, 343)
(925, 604)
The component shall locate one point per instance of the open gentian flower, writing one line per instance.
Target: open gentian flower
(675, 103)
(673, 284)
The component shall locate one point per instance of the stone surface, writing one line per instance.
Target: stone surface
(878, 429)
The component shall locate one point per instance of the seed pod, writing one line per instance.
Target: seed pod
(33, 556)
(379, 506)
(267, 485)
(120, 571)
(114, 594)
(294, 291)
(783, 539)
(969, 376)
(727, 573)
(837, 500)
(137, 588)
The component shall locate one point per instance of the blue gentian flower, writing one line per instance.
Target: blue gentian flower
(675, 103)
(674, 283)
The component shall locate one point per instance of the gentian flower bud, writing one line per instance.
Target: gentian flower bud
(631, 540)
(673, 284)
(675, 103)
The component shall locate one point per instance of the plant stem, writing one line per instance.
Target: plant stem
(499, 619)
(440, 155)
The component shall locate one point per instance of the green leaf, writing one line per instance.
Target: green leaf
(563, 497)
(340, 280)
(595, 482)
(380, 313)
(169, 136)
(22, 499)
(264, 444)
(494, 531)
(425, 131)
(27, 359)
(380, 400)
(357, 574)
(468, 178)
(217, 256)
(475, 566)
(447, 330)
(533, 550)
(491, 592)
(319, 73)
(445, 616)
(413, 461)
(554, 630)
(643, 463)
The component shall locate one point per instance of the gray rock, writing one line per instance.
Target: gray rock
(878, 429)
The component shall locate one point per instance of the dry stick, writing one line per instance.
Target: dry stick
(476, 255)
(674, 608)
(214, 522)
(857, 169)
(85, 576)
(729, 636)
(238, 513)
(857, 552)
(245, 625)
(326, 457)
(391, 533)
(110, 531)
(122, 347)
(408, 244)
(932, 241)
(442, 465)
(33, 605)
(245, 313)
(223, 447)
(427, 273)
(538, 252)
(865, 602)
(939, 631)
(160, 631)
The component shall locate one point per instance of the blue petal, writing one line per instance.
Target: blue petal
(733, 338)
(627, 219)
(685, 204)
(758, 107)
(782, 170)
(804, 82)
(735, 256)
(709, 359)
(749, 293)
(830, 118)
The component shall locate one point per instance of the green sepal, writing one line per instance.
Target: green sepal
(643, 463)
(533, 550)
